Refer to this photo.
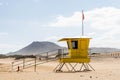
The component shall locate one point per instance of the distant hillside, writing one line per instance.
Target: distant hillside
(41, 47)
(103, 50)
(36, 48)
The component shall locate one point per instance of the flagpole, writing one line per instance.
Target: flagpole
(82, 29)
(82, 23)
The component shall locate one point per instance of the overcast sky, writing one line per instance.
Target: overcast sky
(25, 21)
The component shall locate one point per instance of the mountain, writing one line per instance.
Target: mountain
(36, 48)
(103, 50)
(41, 47)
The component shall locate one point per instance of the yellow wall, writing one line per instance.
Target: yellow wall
(81, 51)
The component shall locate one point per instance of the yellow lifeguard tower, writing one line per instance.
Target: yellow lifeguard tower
(77, 54)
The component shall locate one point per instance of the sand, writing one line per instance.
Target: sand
(105, 69)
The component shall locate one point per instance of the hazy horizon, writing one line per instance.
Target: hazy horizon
(25, 21)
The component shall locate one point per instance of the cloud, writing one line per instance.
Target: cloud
(98, 18)
(103, 18)
(62, 21)
(108, 39)
(102, 24)
(91, 34)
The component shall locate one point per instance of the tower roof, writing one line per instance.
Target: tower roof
(66, 39)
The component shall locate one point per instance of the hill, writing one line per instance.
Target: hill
(103, 50)
(36, 48)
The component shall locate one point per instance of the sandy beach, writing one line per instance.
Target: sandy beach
(105, 69)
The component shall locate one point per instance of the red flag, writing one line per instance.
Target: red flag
(83, 17)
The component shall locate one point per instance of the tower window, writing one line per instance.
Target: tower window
(74, 44)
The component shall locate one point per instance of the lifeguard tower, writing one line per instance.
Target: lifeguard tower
(77, 59)
(77, 55)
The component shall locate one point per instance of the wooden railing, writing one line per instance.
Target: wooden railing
(19, 65)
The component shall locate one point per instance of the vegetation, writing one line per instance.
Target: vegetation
(3, 56)
(22, 56)
(16, 56)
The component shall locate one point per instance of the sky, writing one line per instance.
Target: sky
(25, 21)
